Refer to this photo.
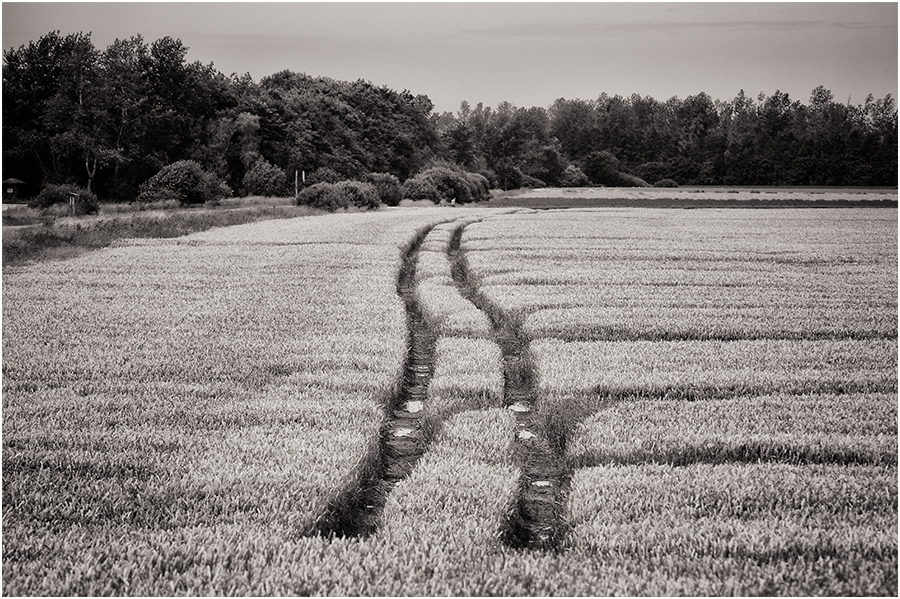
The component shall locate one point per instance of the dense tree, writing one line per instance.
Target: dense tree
(109, 120)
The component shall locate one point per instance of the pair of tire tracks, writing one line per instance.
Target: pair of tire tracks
(536, 519)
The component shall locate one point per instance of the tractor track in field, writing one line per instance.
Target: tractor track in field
(405, 433)
(537, 519)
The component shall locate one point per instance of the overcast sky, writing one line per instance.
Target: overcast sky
(526, 53)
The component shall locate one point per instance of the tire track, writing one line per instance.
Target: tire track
(537, 520)
(405, 433)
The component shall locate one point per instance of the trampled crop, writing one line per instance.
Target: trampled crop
(180, 415)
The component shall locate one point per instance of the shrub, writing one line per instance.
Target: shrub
(420, 188)
(387, 187)
(574, 177)
(264, 179)
(324, 174)
(52, 194)
(629, 180)
(532, 182)
(508, 175)
(439, 183)
(451, 184)
(653, 171)
(603, 168)
(324, 196)
(665, 183)
(184, 181)
(479, 186)
(361, 195)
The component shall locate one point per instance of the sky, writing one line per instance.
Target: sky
(525, 53)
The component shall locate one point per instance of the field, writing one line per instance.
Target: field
(598, 401)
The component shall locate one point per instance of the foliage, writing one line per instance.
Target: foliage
(264, 179)
(184, 181)
(420, 188)
(445, 184)
(387, 186)
(324, 196)
(358, 194)
(324, 174)
(334, 196)
(665, 183)
(480, 186)
(574, 177)
(85, 203)
(602, 168)
(109, 119)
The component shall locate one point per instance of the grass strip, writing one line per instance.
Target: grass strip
(63, 238)
(835, 429)
(713, 369)
(468, 375)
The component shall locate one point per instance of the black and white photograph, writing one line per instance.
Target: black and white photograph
(429, 299)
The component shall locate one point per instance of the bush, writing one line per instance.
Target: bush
(420, 188)
(665, 183)
(323, 196)
(264, 179)
(52, 194)
(332, 196)
(629, 180)
(653, 171)
(532, 182)
(361, 195)
(452, 185)
(603, 168)
(508, 175)
(479, 186)
(438, 183)
(387, 187)
(324, 174)
(184, 181)
(574, 177)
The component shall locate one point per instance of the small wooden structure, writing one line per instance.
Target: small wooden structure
(11, 189)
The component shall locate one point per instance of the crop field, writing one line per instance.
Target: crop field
(700, 197)
(598, 401)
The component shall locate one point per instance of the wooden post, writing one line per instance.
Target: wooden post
(295, 186)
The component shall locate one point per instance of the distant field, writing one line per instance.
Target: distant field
(699, 197)
(190, 415)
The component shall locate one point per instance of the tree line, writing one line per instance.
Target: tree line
(109, 120)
